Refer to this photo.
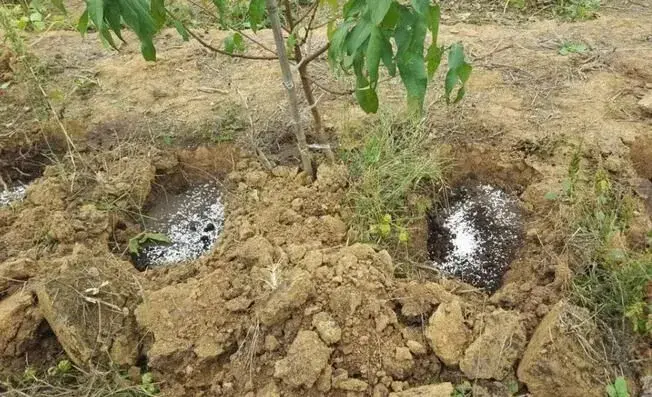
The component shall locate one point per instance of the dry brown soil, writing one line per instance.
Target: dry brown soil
(288, 304)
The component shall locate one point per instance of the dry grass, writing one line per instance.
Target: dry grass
(65, 380)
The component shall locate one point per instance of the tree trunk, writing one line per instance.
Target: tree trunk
(288, 82)
(307, 87)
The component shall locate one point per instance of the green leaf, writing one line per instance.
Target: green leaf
(337, 43)
(551, 196)
(367, 98)
(567, 186)
(156, 237)
(391, 17)
(573, 48)
(353, 7)
(106, 35)
(113, 18)
(147, 378)
(148, 50)
(410, 36)
(59, 5)
(421, 6)
(433, 59)
(239, 42)
(256, 13)
(379, 9)
(364, 93)
(403, 236)
(221, 10)
(134, 246)
(64, 366)
(435, 17)
(619, 388)
(158, 12)
(459, 71)
(182, 30)
(96, 12)
(82, 24)
(375, 49)
(464, 73)
(22, 23)
(384, 230)
(358, 36)
(35, 17)
(234, 43)
(229, 44)
(136, 15)
(291, 42)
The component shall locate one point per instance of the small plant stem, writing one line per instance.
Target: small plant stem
(275, 21)
(307, 87)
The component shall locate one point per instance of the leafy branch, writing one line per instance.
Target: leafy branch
(362, 34)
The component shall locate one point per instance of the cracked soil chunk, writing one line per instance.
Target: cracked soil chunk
(447, 334)
(327, 328)
(306, 359)
(285, 300)
(494, 353)
(439, 390)
(19, 322)
(555, 361)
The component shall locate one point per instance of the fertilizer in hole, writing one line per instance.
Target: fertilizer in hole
(12, 194)
(192, 220)
(477, 236)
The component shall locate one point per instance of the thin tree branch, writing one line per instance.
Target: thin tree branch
(287, 7)
(313, 10)
(215, 49)
(243, 34)
(308, 27)
(321, 25)
(314, 55)
(258, 43)
(329, 90)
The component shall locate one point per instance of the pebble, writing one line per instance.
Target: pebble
(416, 347)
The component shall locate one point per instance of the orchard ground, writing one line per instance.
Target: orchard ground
(294, 300)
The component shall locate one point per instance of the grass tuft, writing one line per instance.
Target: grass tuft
(389, 160)
(578, 10)
(612, 280)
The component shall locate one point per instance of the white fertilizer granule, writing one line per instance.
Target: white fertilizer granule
(192, 220)
(476, 238)
(13, 194)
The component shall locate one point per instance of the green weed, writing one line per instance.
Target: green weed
(463, 389)
(578, 10)
(570, 47)
(612, 280)
(388, 161)
(138, 242)
(618, 388)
